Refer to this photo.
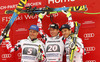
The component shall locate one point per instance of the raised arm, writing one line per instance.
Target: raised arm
(9, 46)
(39, 24)
(70, 21)
(80, 46)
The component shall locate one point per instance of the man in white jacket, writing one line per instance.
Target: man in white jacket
(32, 48)
(54, 45)
(66, 30)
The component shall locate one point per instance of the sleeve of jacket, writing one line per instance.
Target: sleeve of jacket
(12, 48)
(80, 46)
(43, 52)
(43, 35)
(70, 21)
(67, 49)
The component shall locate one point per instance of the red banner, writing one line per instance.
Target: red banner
(89, 30)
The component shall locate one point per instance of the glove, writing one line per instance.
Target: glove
(72, 46)
(75, 48)
(67, 13)
(7, 36)
(41, 15)
(43, 59)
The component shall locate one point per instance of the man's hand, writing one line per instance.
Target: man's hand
(68, 14)
(41, 15)
(7, 35)
(73, 46)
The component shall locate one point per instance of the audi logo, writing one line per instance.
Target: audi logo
(6, 55)
(3, 43)
(89, 35)
(90, 48)
(19, 54)
(90, 61)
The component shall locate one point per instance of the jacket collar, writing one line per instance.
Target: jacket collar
(32, 40)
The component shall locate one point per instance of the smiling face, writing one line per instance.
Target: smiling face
(65, 32)
(54, 32)
(33, 34)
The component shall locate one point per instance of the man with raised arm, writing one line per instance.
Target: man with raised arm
(32, 48)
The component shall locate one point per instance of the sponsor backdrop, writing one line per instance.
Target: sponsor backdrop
(89, 30)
